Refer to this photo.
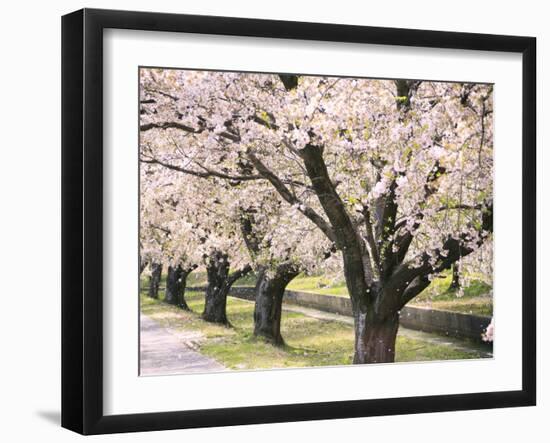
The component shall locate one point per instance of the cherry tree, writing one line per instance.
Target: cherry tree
(257, 210)
(396, 175)
(282, 244)
(185, 224)
(166, 237)
(234, 211)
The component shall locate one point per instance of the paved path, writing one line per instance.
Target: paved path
(163, 352)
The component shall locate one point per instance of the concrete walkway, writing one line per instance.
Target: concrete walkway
(163, 352)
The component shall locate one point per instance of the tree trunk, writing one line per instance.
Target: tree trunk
(455, 282)
(215, 301)
(176, 281)
(375, 338)
(269, 294)
(171, 283)
(219, 284)
(181, 302)
(154, 280)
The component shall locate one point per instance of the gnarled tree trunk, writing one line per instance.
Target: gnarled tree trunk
(219, 284)
(269, 292)
(154, 280)
(375, 338)
(176, 281)
(215, 301)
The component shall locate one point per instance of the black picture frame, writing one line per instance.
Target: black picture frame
(82, 218)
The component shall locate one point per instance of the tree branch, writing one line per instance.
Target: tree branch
(247, 230)
(290, 82)
(370, 238)
(168, 125)
(206, 174)
(403, 241)
(285, 193)
(406, 275)
(176, 125)
(359, 274)
(386, 212)
(415, 287)
(232, 278)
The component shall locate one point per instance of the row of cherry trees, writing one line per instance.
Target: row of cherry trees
(387, 183)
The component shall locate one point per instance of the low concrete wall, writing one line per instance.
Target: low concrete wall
(454, 324)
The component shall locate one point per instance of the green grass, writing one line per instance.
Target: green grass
(319, 285)
(476, 299)
(309, 341)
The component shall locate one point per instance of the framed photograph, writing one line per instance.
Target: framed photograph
(269, 221)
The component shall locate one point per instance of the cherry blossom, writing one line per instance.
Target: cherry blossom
(388, 183)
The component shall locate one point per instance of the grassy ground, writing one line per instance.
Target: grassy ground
(475, 300)
(309, 341)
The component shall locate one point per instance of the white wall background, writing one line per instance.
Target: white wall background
(30, 219)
